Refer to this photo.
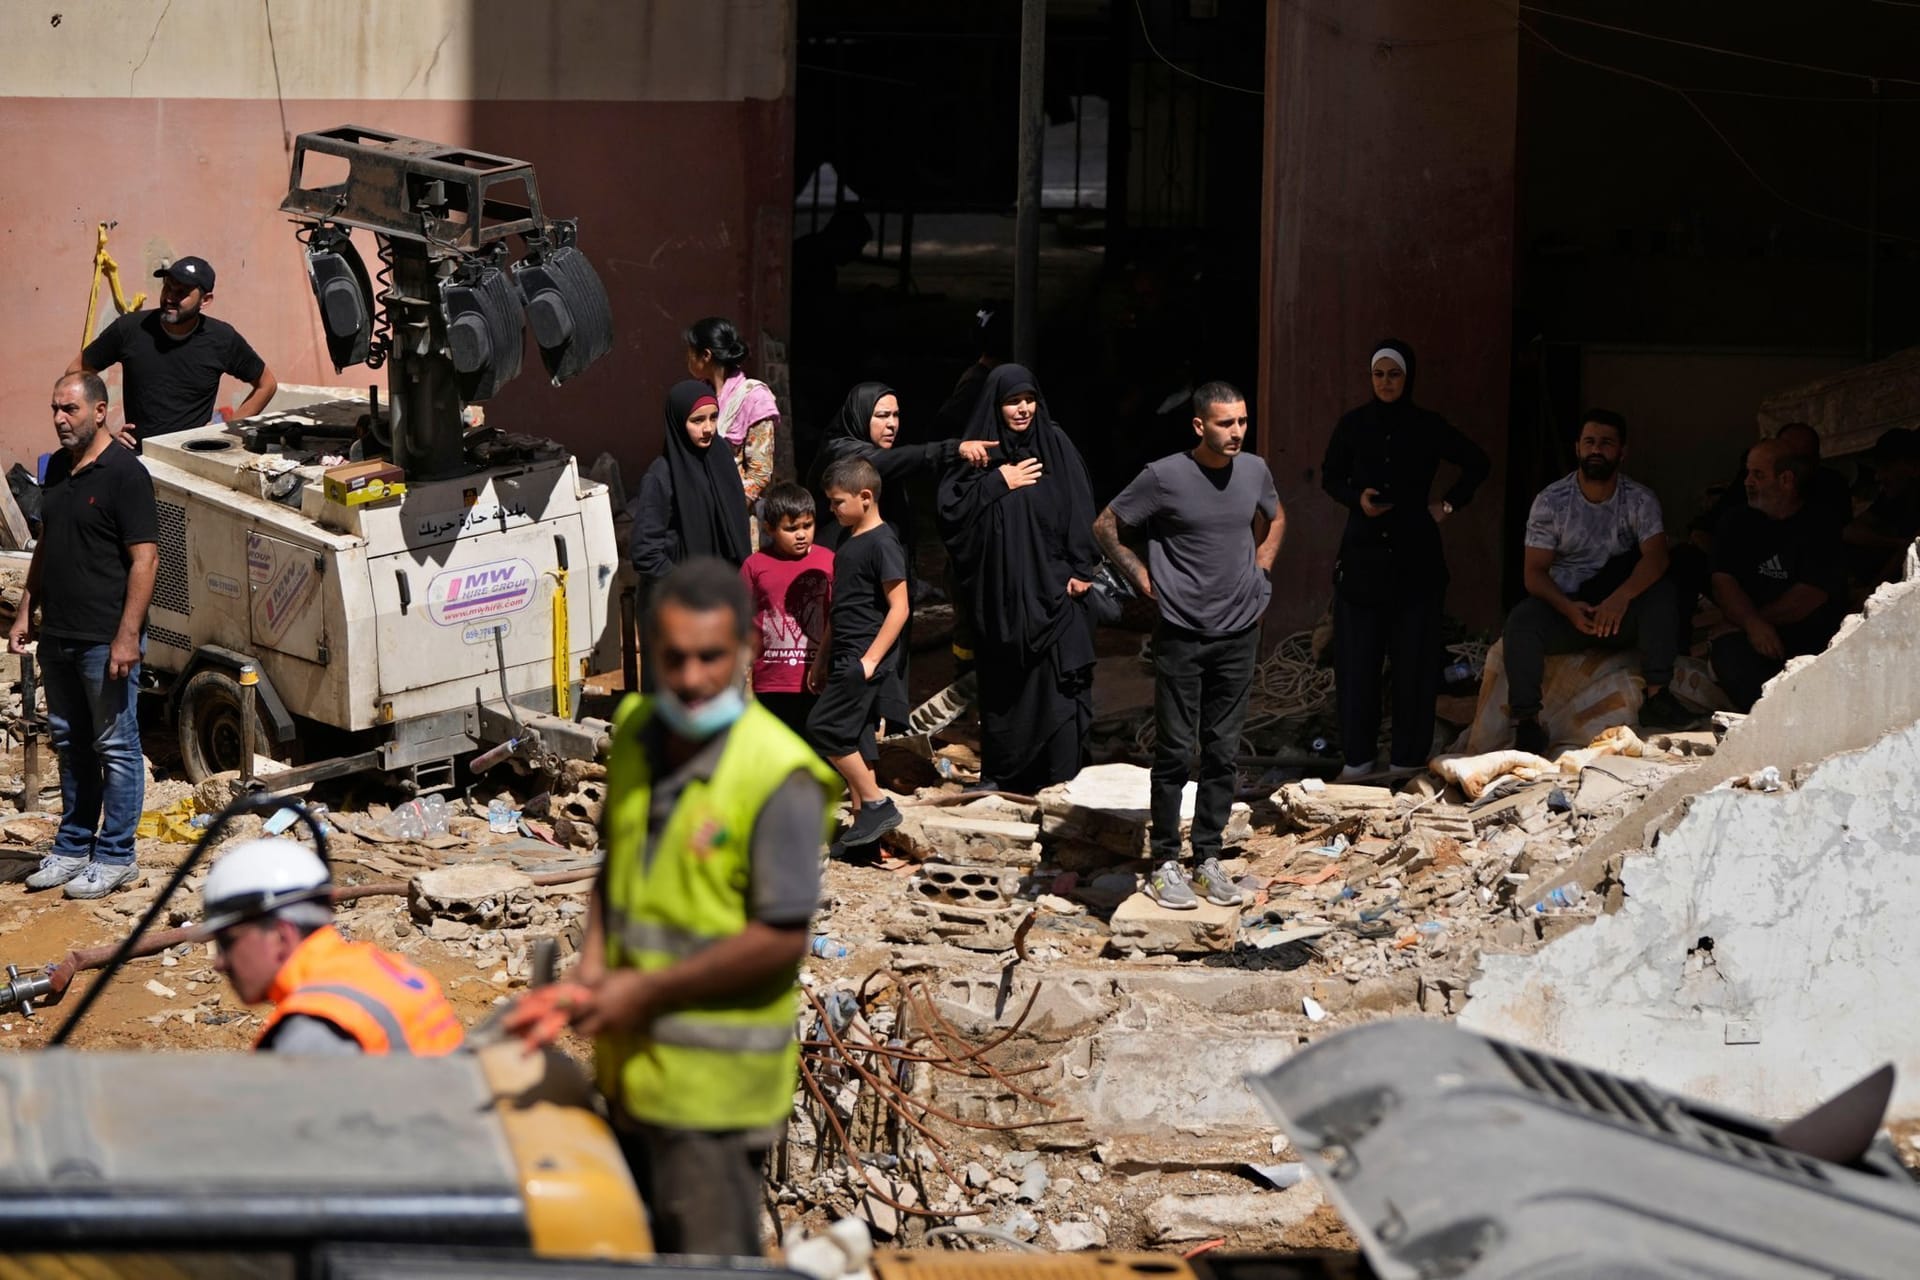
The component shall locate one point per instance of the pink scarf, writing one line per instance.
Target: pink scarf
(743, 402)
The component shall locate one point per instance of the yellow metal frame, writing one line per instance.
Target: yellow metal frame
(104, 265)
(562, 644)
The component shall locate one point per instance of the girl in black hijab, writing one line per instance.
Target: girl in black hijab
(691, 502)
(869, 427)
(1021, 538)
(1391, 578)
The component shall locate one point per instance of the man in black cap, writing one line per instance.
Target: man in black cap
(173, 355)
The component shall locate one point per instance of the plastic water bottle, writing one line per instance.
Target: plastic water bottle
(418, 819)
(502, 816)
(827, 949)
(405, 822)
(1566, 896)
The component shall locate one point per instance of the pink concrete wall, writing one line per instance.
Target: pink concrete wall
(683, 207)
(1389, 211)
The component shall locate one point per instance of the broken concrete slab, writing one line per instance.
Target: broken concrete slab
(1761, 960)
(947, 835)
(1248, 1220)
(1306, 806)
(1068, 1003)
(1615, 780)
(965, 927)
(1108, 805)
(1864, 684)
(1142, 924)
(480, 893)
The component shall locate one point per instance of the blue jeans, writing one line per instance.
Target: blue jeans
(97, 736)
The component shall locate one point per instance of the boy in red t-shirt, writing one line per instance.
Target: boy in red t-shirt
(791, 581)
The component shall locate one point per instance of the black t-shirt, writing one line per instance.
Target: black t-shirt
(90, 517)
(170, 383)
(862, 568)
(1768, 557)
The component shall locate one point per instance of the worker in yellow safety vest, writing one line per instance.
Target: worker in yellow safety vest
(715, 816)
(268, 911)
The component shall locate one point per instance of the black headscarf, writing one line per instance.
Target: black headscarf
(710, 506)
(851, 435)
(1015, 549)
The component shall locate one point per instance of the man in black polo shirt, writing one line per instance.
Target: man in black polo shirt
(1779, 574)
(171, 358)
(91, 577)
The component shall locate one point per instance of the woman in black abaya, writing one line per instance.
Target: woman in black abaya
(691, 502)
(1021, 538)
(1391, 577)
(869, 427)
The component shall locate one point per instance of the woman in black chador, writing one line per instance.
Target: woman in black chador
(1021, 537)
(1391, 578)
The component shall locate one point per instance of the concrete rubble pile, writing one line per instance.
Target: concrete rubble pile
(1021, 924)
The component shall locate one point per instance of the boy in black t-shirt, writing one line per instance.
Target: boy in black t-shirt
(869, 613)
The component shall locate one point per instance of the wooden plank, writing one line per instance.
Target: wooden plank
(14, 533)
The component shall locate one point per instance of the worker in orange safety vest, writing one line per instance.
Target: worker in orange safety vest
(268, 913)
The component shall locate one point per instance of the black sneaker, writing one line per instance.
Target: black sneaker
(1529, 736)
(873, 821)
(1664, 711)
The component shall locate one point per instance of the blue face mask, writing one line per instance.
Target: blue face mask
(698, 723)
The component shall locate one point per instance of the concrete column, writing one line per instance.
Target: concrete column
(1388, 211)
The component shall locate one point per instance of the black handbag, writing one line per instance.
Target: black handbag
(1107, 597)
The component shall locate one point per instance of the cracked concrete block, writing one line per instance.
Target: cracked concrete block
(478, 892)
(1145, 925)
(981, 888)
(1069, 1004)
(1809, 898)
(1249, 1220)
(967, 927)
(950, 835)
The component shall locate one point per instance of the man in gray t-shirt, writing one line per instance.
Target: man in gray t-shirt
(1213, 525)
(1596, 577)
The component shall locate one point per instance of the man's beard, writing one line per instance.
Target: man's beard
(1595, 467)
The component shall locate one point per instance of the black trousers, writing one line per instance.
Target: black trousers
(1201, 687)
(1535, 629)
(1405, 631)
(1740, 670)
(702, 1190)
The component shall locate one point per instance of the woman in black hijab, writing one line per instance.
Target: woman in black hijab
(869, 427)
(1021, 538)
(691, 502)
(1391, 578)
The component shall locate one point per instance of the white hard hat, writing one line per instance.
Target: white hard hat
(259, 877)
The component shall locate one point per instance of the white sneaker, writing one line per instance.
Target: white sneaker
(101, 878)
(56, 869)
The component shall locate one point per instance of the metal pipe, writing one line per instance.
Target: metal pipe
(1026, 226)
(30, 720)
(61, 974)
(249, 691)
(630, 640)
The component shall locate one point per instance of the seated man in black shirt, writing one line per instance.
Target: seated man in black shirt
(171, 358)
(1778, 575)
